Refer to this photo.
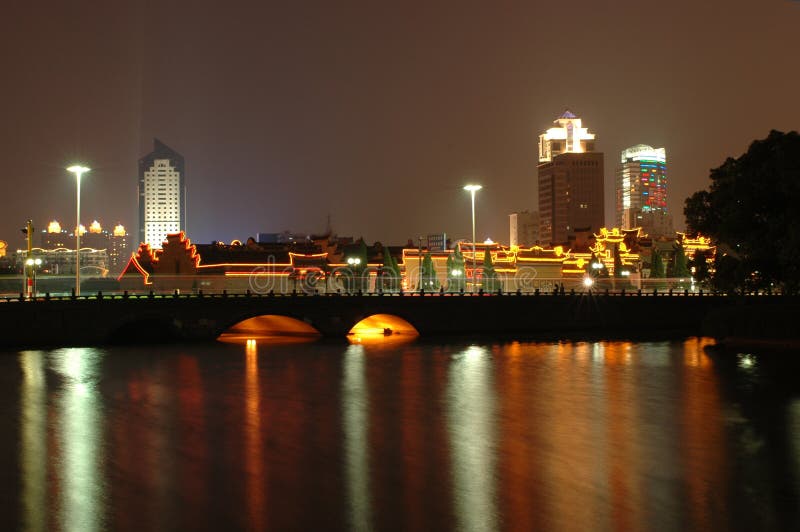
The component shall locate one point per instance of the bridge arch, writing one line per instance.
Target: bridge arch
(269, 325)
(147, 328)
(383, 324)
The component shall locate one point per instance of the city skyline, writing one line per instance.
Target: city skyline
(344, 111)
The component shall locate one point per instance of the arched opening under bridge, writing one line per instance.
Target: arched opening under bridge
(383, 325)
(269, 326)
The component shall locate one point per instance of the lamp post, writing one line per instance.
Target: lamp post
(419, 263)
(472, 190)
(354, 263)
(78, 170)
(33, 264)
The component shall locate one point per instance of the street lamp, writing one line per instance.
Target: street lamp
(33, 264)
(78, 170)
(472, 190)
(354, 263)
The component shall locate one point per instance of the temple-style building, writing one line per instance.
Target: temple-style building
(328, 265)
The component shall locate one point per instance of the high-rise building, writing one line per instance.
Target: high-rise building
(641, 190)
(571, 180)
(162, 194)
(523, 228)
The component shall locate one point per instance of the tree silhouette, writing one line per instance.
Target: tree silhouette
(750, 211)
(656, 265)
(679, 267)
(429, 281)
(390, 273)
(456, 274)
(490, 281)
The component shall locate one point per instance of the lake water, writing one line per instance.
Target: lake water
(387, 434)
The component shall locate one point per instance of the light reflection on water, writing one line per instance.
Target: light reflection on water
(471, 425)
(384, 433)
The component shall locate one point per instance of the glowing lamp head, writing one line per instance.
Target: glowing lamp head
(353, 261)
(78, 170)
(472, 188)
(588, 282)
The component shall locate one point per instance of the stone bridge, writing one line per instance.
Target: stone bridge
(101, 319)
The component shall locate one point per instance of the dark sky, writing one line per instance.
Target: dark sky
(374, 113)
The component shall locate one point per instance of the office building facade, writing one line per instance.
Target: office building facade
(162, 194)
(570, 181)
(523, 228)
(641, 191)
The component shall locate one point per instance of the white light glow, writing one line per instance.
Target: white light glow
(643, 151)
(569, 136)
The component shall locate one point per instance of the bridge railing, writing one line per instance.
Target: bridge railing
(262, 285)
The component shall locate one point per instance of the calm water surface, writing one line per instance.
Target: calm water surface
(393, 435)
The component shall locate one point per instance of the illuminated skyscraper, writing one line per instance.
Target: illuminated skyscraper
(641, 191)
(571, 178)
(162, 194)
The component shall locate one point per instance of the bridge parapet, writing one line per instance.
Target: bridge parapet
(102, 318)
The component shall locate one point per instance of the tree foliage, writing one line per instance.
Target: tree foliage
(679, 267)
(429, 281)
(657, 270)
(390, 273)
(750, 211)
(456, 274)
(617, 262)
(700, 265)
(490, 281)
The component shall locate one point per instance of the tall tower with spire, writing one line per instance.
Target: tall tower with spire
(162, 194)
(570, 179)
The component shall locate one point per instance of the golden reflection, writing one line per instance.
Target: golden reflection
(263, 340)
(471, 426)
(383, 325)
(618, 353)
(270, 325)
(193, 474)
(793, 422)
(694, 354)
(518, 484)
(82, 489)
(380, 341)
(355, 418)
(623, 457)
(33, 448)
(254, 459)
(704, 440)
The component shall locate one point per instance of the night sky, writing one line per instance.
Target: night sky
(374, 113)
